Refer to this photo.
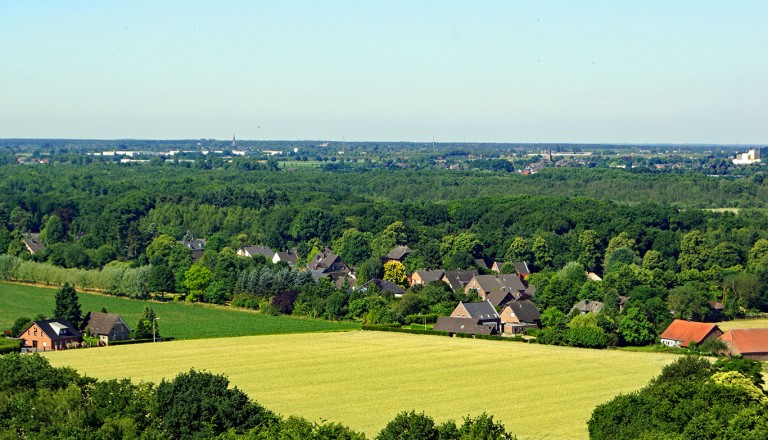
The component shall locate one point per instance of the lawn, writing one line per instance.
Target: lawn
(743, 323)
(179, 320)
(363, 379)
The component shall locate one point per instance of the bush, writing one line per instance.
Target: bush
(420, 319)
(587, 337)
(10, 346)
(245, 301)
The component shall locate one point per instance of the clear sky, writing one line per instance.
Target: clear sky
(488, 71)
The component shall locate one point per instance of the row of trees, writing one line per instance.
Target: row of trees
(39, 401)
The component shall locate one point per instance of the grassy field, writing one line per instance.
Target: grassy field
(363, 379)
(743, 323)
(179, 320)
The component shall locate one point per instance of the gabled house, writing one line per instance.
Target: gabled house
(49, 334)
(425, 276)
(517, 316)
(106, 326)
(750, 343)
(384, 286)
(457, 279)
(482, 312)
(586, 306)
(399, 253)
(288, 256)
(485, 284)
(251, 251)
(33, 244)
(327, 261)
(197, 246)
(682, 333)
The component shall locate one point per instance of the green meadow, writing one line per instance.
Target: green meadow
(175, 319)
(363, 379)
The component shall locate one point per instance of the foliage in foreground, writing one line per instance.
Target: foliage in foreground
(691, 399)
(38, 401)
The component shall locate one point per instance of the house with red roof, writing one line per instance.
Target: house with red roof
(750, 343)
(682, 333)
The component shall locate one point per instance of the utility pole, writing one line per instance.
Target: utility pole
(153, 329)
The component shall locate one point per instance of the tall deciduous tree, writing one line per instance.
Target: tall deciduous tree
(395, 271)
(68, 305)
(589, 252)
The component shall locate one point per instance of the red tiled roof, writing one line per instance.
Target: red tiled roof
(747, 340)
(688, 331)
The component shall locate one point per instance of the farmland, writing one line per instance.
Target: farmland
(179, 320)
(743, 323)
(362, 379)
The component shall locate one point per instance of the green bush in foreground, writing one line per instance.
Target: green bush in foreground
(691, 399)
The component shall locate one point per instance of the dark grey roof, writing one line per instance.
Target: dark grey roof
(481, 310)
(462, 325)
(399, 253)
(522, 268)
(288, 256)
(385, 286)
(483, 263)
(587, 306)
(427, 276)
(457, 279)
(33, 244)
(56, 329)
(525, 311)
(197, 244)
(499, 297)
(510, 283)
(101, 323)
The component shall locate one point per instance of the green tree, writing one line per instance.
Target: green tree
(621, 240)
(19, 325)
(689, 301)
(372, 268)
(147, 327)
(519, 250)
(201, 405)
(694, 251)
(589, 249)
(53, 232)
(635, 329)
(197, 279)
(68, 305)
(410, 426)
(354, 247)
(542, 254)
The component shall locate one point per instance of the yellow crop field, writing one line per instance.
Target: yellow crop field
(363, 379)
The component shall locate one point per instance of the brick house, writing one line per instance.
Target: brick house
(518, 316)
(49, 334)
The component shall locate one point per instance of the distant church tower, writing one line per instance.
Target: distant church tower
(234, 142)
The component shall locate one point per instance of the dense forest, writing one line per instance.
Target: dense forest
(117, 227)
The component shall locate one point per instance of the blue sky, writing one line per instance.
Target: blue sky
(491, 71)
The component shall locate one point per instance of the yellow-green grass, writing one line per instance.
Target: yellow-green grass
(363, 379)
(178, 320)
(743, 323)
